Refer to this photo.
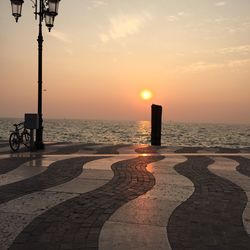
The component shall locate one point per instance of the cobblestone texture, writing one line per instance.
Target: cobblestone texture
(212, 217)
(76, 223)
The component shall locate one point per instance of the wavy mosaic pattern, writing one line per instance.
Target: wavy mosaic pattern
(212, 217)
(226, 168)
(84, 215)
(57, 173)
(16, 214)
(175, 201)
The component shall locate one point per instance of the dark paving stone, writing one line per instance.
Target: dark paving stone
(21, 150)
(188, 150)
(148, 150)
(245, 150)
(212, 217)
(244, 164)
(9, 164)
(228, 150)
(57, 173)
(71, 149)
(76, 223)
(110, 149)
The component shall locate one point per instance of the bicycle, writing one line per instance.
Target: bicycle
(16, 138)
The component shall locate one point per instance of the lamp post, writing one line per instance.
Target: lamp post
(45, 10)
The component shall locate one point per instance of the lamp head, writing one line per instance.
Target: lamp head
(16, 6)
(53, 7)
(49, 20)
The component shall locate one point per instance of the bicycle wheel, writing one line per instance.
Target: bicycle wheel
(14, 141)
(26, 139)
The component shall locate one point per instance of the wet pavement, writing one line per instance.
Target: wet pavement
(87, 196)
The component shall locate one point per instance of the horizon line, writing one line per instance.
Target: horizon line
(131, 120)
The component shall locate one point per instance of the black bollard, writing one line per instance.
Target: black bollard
(156, 120)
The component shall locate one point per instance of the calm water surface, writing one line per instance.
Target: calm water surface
(128, 132)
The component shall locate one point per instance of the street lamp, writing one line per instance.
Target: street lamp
(48, 10)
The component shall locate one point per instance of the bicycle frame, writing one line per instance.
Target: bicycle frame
(22, 137)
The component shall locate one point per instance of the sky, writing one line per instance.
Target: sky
(193, 55)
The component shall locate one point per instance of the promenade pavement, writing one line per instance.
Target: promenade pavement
(93, 196)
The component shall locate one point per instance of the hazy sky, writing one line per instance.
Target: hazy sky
(194, 55)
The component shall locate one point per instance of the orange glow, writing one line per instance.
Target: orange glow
(146, 94)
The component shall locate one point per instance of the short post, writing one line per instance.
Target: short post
(156, 120)
(31, 121)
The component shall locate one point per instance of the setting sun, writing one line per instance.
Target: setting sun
(146, 94)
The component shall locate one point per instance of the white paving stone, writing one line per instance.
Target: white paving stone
(124, 236)
(35, 203)
(105, 164)
(95, 173)
(246, 215)
(145, 211)
(26, 170)
(226, 168)
(11, 225)
(169, 192)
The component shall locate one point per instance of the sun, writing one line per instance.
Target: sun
(146, 94)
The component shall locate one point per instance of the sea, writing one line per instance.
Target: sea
(138, 132)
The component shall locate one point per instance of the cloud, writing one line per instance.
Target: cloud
(172, 18)
(97, 4)
(124, 25)
(218, 20)
(238, 49)
(177, 16)
(234, 51)
(183, 14)
(60, 36)
(220, 4)
(204, 66)
(238, 63)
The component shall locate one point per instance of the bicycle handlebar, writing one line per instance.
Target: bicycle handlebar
(19, 124)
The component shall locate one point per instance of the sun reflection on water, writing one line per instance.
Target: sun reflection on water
(143, 129)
